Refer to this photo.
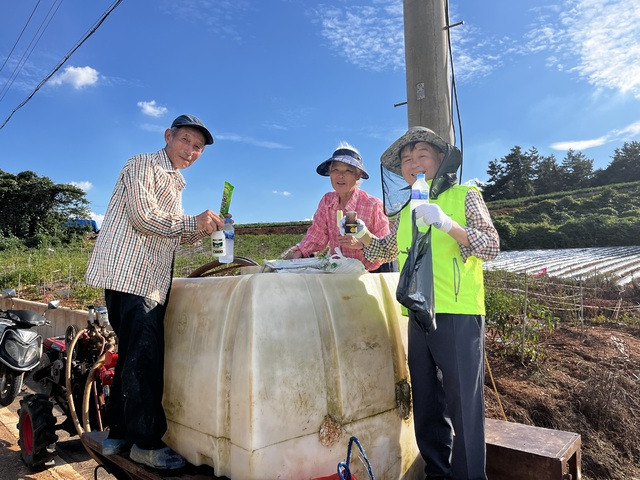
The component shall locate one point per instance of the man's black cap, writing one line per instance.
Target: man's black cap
(187, 120)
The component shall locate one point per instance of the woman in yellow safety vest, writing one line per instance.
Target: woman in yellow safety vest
(446, 363)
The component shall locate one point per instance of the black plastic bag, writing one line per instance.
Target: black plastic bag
(415, 286)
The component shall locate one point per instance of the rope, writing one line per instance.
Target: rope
(343, 467)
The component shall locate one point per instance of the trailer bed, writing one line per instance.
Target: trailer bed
(121, 467)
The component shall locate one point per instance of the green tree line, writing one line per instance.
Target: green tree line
(592, 217)
(523, 174)
(536, 202)
(34, 211)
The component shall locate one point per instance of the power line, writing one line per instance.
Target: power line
(20, 36)
(453, 86)
(27, 53)
(63, 61)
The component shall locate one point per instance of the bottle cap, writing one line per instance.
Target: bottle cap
(420, 175)
(227, 219)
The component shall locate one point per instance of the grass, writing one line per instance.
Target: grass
(43, 274)
(255, 247)
(46, 273)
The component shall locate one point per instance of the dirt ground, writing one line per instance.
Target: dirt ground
(589, 383)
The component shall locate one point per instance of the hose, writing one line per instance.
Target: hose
(88, 388)
(67, 375)
(72, 408)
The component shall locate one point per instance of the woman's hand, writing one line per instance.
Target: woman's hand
(294, 253)
(349, 241)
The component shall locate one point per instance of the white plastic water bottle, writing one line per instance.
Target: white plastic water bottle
(91, 318)
(419, 191)
(229, 237)
(218, 244)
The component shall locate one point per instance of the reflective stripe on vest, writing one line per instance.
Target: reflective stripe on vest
(458, 285)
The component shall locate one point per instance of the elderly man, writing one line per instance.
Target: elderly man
(133, 261)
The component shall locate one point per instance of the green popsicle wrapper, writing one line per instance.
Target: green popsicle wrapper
(226, 198)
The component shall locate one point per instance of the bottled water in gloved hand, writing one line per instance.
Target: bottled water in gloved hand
(419, 191)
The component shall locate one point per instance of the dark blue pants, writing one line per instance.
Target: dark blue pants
(447, 382)
(386, 267)
(134, 410)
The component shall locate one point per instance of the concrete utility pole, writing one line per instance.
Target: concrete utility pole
(427, 65)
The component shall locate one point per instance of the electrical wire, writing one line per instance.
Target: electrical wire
(93, 29)
(29, 50)
(454, 90)
(20, 36)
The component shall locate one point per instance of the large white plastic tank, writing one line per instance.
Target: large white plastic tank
(267, 375)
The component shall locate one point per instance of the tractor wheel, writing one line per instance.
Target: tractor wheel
(37, 429)
(216, 268)
(10, 385)
(69, 334)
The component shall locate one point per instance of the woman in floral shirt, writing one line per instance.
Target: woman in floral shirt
(346, 170)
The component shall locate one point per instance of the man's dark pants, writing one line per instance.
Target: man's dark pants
(447, 382)
(134, 409)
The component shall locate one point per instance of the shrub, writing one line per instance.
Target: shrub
(87, 295)
(12, 279)
(11, 243)
(505, 312)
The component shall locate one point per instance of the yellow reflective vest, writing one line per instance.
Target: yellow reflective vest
(458, 285)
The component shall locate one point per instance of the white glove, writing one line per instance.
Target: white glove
(361, 228)
(432, 214)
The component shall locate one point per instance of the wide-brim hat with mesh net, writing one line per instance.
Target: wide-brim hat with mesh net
(390, 159)
(344, 155)
(396, 193)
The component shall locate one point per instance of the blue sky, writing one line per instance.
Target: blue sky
(281, 82)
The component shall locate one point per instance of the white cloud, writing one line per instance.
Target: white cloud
(85, 186)
(626, 134)
(475, 182)
(150, 127)
(579, 144)
(219, 17)
(595, 39)
(283, 193)
(233, 137)
(78, 77)
(631, 130)
(475, 54)
(152, 109)
(98, 218)
(274, 126)
(371, 37)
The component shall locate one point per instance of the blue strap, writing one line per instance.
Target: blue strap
(343, 467)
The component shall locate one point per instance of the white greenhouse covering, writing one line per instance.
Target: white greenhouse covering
(621, 262)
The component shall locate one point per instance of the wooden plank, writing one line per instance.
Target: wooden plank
(531, 453)
(123, 468)
(514, 450)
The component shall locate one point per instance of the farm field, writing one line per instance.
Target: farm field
(588, 382)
